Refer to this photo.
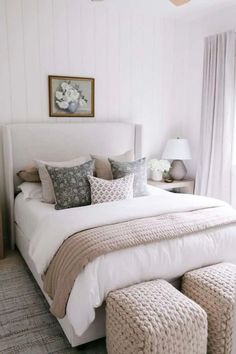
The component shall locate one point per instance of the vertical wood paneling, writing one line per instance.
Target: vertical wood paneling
(159, 79)
(75, 37)
(166, 53)
(129, 53)
(168, 64)
(60, 37)
(100, 52)
(148, 116)
(60, 41)
(159, 121)
(5, 95)
(148, 68)
(17, 60)
(136, 67)
(32, 60)
(87, 39)
(46, 50)
(125, 67)
(113, 65)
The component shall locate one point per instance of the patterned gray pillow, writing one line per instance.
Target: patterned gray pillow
(71, 185)
(138, 168)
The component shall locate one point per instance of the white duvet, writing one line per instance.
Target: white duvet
(166, 259)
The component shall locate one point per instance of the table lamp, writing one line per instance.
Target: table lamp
(177, 150)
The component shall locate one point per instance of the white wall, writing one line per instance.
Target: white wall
(188, 72)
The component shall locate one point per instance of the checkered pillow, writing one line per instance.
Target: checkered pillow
(103, 191)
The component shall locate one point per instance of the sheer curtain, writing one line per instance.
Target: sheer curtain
(214, 172)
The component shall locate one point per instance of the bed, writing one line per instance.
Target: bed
(37, 226)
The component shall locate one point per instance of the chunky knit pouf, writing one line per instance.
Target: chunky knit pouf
(154, 318)
(214, 289)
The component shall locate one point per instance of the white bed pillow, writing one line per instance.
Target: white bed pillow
(31, 190)
(47, 186)
(103, 191)
(103, 167)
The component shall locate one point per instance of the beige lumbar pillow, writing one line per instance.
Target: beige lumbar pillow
(47, 186)
(29, 174)
(103, 167)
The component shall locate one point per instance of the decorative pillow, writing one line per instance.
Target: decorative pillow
(29, 174)
(138, 168)
(71, 185)
(103, 167)
(48, 192)
(103, 191)
(31, 190)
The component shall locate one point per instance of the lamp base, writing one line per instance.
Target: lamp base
(178, 170)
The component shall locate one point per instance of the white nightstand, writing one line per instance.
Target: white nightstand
(185, 186)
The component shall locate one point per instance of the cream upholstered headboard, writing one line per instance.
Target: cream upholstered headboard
(23, 143)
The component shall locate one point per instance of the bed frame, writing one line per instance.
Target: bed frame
(23, 143)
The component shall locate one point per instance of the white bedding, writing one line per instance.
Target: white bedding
(30, 212)
(165, 259)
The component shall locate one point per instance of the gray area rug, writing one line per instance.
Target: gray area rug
(26, 325)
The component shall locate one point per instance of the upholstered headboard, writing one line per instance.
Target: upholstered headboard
(23, 143)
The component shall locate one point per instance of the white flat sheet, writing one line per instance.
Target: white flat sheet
(30, 212)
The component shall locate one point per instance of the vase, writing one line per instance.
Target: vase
(156, 175)
(178, 170)
(73, 106)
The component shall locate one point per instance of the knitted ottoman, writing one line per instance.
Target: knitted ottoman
(214, 289)
(154, 318)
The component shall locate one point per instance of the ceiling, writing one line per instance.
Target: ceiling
(164, 8)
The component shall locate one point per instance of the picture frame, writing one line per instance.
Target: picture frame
(71, 96)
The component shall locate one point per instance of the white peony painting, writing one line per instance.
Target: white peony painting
(71, 96)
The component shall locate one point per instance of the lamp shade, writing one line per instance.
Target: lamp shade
(177, 149)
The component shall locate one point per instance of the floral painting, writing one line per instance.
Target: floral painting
(71, 96)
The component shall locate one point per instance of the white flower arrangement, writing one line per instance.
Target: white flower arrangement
(69, 97)
(159, 165)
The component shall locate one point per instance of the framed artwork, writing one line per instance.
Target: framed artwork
(71, 96)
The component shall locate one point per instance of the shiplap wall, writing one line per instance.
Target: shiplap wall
(131, 55)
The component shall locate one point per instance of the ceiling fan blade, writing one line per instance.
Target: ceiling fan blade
(179, 2)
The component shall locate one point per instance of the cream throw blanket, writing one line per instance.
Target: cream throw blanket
(83, 247)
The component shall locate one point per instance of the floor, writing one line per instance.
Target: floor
(26, 325)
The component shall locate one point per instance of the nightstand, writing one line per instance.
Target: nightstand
(184, 186)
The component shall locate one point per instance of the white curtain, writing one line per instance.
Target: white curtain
(214, 173)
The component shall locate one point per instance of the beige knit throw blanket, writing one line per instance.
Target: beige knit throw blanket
(81, 248)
